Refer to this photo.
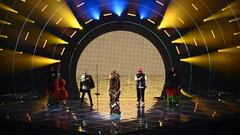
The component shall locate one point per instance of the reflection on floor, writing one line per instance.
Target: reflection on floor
(82, 118)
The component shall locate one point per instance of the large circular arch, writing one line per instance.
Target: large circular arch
(72, 53)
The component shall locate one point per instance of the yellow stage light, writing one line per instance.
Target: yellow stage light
(228, 11)
(177, 14)
(3, 36)
(58, 12)
(185, 13)
(52, 39)
(230, 50)
(210, 35)
(225, 61)
(22, 18)
(4, 22)
(23, 61)
(236, 33)
(7, 8)
(235, 19)
(39, 61)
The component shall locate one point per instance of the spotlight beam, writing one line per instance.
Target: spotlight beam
(7, 8)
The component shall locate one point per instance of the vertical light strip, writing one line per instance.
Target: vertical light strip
(44, 8)
(130, 14)
(151, 21)
(213, 34)
(180, 20)
(195, 42)
(178, 50)
(62, 51)
(45, 42)
(73, 34)
(59, 21)
(167, 33)
(26, 37)
(79, 5)
(160, 3)
(88, 21)
(194, 7)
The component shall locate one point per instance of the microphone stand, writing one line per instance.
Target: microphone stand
(97, 93)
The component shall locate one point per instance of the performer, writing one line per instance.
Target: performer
(60, 91)
(50, 85)
(173, 87)
(141, 84)
(114, 93)
(115, 109)
(114, 88)
(86, 84)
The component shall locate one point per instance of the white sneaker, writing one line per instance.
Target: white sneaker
(142, 103)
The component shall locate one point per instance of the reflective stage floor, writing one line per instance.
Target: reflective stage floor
(78, 118)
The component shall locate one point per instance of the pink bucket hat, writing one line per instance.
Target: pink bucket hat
(140, 69)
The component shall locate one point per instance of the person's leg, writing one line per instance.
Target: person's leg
(142, 94)
(138, 95)
(90, 97)
(118, 95)
(83, 94)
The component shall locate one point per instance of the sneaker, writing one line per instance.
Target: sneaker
(143, 103)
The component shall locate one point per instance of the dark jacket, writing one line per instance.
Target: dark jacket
(87, 81)
(173, 81)
(142, 80)
(114, 81)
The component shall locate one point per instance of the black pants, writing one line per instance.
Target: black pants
(89, 95)
(140, 94)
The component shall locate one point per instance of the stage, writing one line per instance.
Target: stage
(71, 117)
